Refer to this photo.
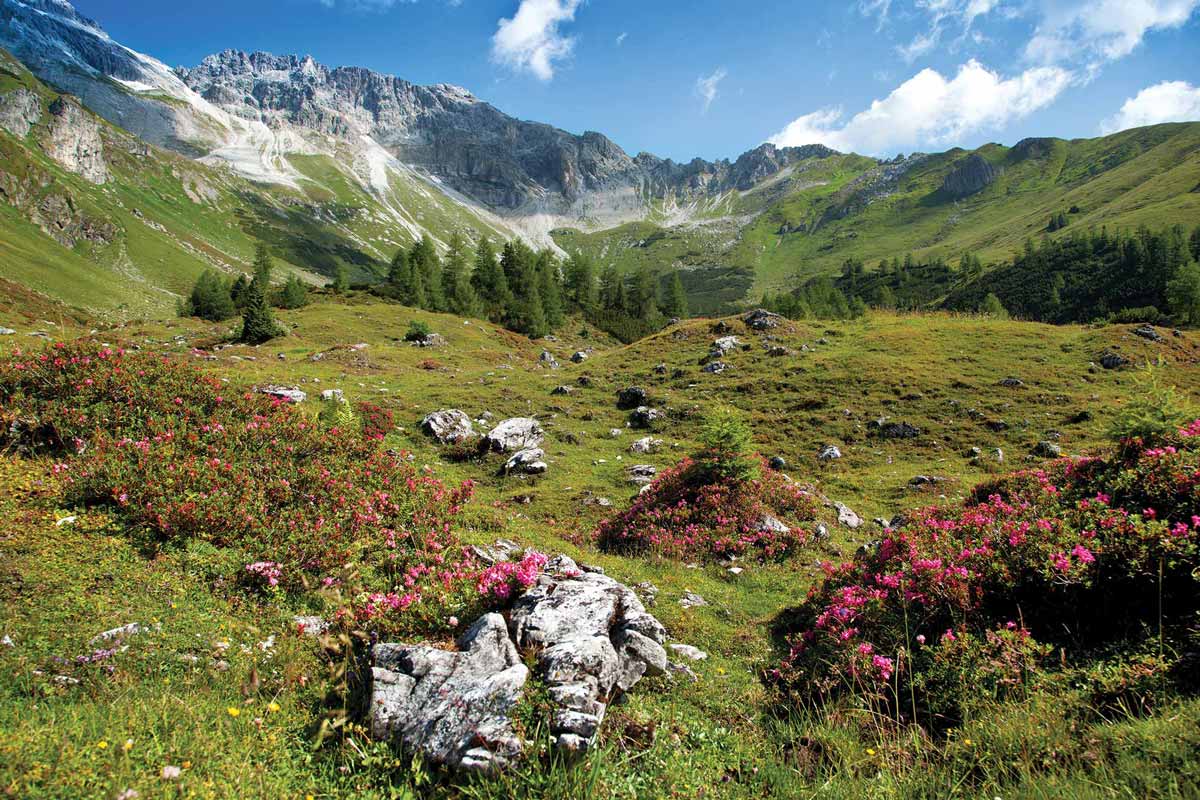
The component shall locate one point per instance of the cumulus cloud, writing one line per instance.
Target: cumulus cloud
(929, 110)
(531, 40)
(1098, 31)
(707, 87)
(1169, 101)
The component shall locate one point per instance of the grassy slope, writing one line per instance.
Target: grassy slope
(716, 738)
(1141, 176)
(175, 217)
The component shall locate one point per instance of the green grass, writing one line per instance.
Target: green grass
(1141, 176)
(720, 737)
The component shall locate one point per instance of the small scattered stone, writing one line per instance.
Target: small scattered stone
(692, 600)
(829, 452)
(688, 652)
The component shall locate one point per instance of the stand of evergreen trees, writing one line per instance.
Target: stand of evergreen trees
(1080, 277)
(215, 298)
(531, 292)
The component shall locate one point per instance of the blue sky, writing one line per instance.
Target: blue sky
(713, 78)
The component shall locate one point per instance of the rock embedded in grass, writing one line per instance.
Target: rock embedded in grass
(527, 462)
(647, 444)
(631, 397)
(511, 435)
(448, 426)
(645, 417)
(829, 452)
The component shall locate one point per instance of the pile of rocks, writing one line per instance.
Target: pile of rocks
(592, 640)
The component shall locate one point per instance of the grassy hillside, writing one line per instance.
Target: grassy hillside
(845, 207)
(172, 217)
(170, 694)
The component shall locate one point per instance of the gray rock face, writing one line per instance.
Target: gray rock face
(632, 397)
(452, 707)
(971, 175)
(647, 444)
(847, 517)
(829, 452)
(448, 426)
(1113, 361)
(527, 462)
(594, 638)
(511, 435)
(288, 393)
(1148, 332)
(20, 110)
(1047, 450)
(724, 346)
(642, 473)
(760, 320)
(645, 417)
(75, 141)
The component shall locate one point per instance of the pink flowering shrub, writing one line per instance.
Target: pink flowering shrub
(182, 457)
(685, 514)
(499, 581)
(962, 602)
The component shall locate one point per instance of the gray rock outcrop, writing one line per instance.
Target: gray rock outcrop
(75, 142)
(511, 435)
(448, 426)
(455, 708)
(20, 110)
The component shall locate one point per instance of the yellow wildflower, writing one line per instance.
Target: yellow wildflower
(102, 744)
(870, 751)
(234, 711)
(128, 745)
(272, 706)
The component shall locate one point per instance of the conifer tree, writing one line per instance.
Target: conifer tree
(258, 325)
(456, 280)
(992, 307)
(210, 298)
(489, 281)
(676, 304)
(549, 287)
(427, 273)
(237, 292)
(581, 283)
(294, 293)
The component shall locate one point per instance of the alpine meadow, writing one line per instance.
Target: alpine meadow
(360, 439)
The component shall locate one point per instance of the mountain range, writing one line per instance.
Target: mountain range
(153, 174)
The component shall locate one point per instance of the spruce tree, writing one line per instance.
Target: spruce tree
(581, 283)
(676, 304)
(210, 298)
(489, 282)
(294, 293)
(457, 280)
(427, 273)
(550, 288)
(612, 293)
(237, 292)
(258, 325)
(1183, 293)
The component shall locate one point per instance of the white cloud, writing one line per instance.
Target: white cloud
(928, 109)
(707, 86)
(531, 39)
(959, 14)
(1097, 31)
(1169, 101)
(621, 37)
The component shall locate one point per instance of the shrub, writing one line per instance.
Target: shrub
(684, 514)
(418, 331)
(957, 606)
(1153, 411)
(210, 298)
(182, 461)
(726, 452)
